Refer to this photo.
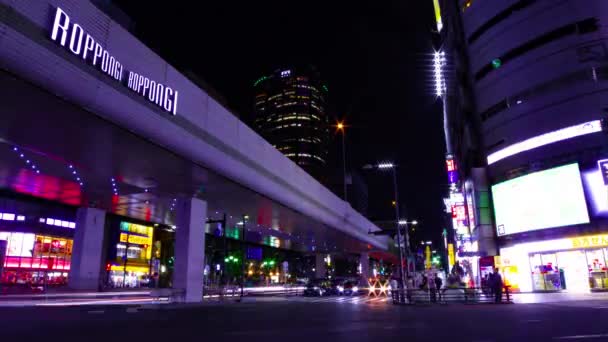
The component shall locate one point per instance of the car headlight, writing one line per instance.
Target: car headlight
(355, 289)
(340, 288)
(315, 288)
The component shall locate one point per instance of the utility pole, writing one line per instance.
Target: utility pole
(342, 128)
(223, 225)
(245, 218)
(399, 235)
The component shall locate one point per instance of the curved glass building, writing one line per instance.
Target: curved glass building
(290, 113)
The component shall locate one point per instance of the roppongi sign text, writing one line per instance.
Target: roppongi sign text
(73, 37)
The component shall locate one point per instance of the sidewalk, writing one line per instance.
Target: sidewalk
(534, 297)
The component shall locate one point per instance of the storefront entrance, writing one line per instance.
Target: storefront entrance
(575, 271)
(576, 265)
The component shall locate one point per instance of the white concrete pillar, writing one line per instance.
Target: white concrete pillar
(364, 264)
(86, 264)
(320, 266)
(191, 214)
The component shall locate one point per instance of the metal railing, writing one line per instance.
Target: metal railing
(473, 295)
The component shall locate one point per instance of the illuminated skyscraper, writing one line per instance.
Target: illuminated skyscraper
(290, 112)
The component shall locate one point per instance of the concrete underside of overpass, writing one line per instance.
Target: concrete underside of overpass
(54, 135)
(102, 147)
(67, 111)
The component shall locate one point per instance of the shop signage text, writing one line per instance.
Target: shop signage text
(472, 254)
(589, 241)
(73, 37)
(450, 164)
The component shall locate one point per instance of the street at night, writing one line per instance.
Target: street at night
(393, 170)
(312, 319)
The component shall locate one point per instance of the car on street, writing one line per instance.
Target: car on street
(318, 287)
(349, 288)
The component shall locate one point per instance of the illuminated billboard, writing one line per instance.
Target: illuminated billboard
(540, 200)
(595, 181)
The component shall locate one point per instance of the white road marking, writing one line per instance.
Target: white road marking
(579, 337)
(343, 300)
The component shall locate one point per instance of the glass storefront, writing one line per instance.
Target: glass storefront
(566, 270)
(36, 259)
(572, 264)
(598, 273)
(133, 266)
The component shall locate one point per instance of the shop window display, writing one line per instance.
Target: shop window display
(546, 275)
(598, 272)
(132, 266)
(36, 260)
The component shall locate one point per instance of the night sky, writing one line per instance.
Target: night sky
(373, 57)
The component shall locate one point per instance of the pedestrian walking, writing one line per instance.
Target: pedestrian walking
(433, 290)
(496, 282)
(438, 284)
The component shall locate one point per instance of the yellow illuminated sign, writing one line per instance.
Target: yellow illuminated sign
(438, 15)
(136, 239)
(130, 229)
(589, 241)
(451, 256)
(134, 269)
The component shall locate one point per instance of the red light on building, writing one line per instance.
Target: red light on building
(458, 212)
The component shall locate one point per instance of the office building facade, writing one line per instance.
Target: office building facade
(291, 114)
(537, 71)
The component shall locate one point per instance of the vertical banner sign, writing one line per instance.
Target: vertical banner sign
(427, 252)
(450, 164)
(451, 256)
(438, 15)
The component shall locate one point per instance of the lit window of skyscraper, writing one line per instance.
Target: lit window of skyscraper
(290, 113)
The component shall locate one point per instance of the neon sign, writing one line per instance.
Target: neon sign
(546, 139)
(450, 164)
(72, 36)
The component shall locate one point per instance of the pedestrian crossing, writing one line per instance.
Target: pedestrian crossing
(366, 300)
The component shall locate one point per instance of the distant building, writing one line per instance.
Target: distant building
(291, 113)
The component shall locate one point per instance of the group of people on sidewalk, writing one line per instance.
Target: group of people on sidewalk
(433, 283)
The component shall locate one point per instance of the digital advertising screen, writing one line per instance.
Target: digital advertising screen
(595, 181)
(545, 199)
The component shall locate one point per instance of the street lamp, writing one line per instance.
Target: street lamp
(341, 127)
(384, 166)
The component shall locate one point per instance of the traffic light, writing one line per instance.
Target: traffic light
(108, 267)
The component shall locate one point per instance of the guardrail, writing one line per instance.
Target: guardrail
(450, 295)
(235, 291)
